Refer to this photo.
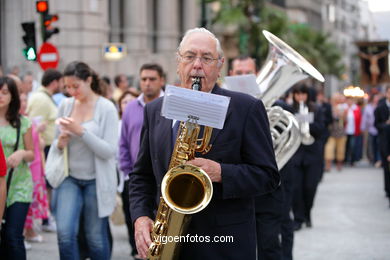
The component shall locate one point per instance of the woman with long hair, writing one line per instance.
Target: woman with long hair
(20, 190)
(306, 160)
(88, 126)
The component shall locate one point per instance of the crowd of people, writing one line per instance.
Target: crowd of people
(116, 141)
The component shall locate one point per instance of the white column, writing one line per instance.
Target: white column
(191, 14)
(115, 20)
(167, 26)
(135, 25)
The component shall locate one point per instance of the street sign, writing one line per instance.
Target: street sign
(48, 56)
(114, 51)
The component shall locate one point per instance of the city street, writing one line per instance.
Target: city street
(351, 220)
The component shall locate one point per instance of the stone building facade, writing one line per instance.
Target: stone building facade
(150, 30)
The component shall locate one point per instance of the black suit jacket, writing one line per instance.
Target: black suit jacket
(311, 154)
(243, 148)
(381, 115)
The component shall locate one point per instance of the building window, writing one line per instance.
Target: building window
(152, 25)
(331, 12)
(180, 15)
(116, 20)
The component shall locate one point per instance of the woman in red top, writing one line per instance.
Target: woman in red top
(3, 188)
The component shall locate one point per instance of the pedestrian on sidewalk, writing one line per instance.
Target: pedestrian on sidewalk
(88, 126)
(16, 137)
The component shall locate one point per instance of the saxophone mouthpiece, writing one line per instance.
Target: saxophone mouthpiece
(196, 84)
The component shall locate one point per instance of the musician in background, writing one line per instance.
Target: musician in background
(382, 123)
(151, 83)
(306, 160)
(241, 162)
(270, 207)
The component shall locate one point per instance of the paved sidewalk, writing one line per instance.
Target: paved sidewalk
(351, 220)
(48, 250)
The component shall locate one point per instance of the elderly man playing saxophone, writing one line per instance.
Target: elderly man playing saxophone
(241, 163)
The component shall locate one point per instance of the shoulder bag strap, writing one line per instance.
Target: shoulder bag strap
(15, 148)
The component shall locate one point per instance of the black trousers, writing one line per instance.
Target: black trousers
(12, 246)
(269, 209)
(129, 222)
(287, 227)
(306, 181)
(386, 175)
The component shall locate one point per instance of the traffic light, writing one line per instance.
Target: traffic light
(46, 20)
(29, 39)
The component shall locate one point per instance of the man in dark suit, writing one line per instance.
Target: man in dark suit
(241, 163)
(268, 207)
(382, 123)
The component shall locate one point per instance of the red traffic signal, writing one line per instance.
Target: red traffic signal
(47, 29)
(46, 20)
(42, 6)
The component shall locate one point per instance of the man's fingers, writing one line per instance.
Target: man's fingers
(197, 162)
(142, 246)
(147, 238)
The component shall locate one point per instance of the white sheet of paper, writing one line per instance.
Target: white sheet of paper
(209, 109)
(243, 83)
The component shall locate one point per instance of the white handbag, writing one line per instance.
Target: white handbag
(57, 167)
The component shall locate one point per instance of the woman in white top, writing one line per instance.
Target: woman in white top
(88, 126)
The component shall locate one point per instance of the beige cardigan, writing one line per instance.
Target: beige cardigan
(104, 146)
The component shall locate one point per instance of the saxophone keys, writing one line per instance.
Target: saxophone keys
(159, 228)
(154, 249)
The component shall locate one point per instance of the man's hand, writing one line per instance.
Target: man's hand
(212, 168)
(142, 228)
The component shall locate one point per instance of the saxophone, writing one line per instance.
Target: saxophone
(185, 189)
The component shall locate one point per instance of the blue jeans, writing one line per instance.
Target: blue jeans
(12, 245)
(73, 198)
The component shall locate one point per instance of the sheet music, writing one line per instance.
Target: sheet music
(243, 83)
(182, 104)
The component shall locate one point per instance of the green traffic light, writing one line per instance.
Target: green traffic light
(30, 54)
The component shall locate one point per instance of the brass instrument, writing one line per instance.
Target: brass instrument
(307, 139)
(285, 134)
(185, 189)
(281, 70)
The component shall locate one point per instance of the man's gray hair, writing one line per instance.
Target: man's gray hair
(202, 30)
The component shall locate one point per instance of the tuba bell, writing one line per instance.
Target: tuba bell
(281, 70)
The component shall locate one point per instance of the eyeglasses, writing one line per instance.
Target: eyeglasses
(190, 58)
